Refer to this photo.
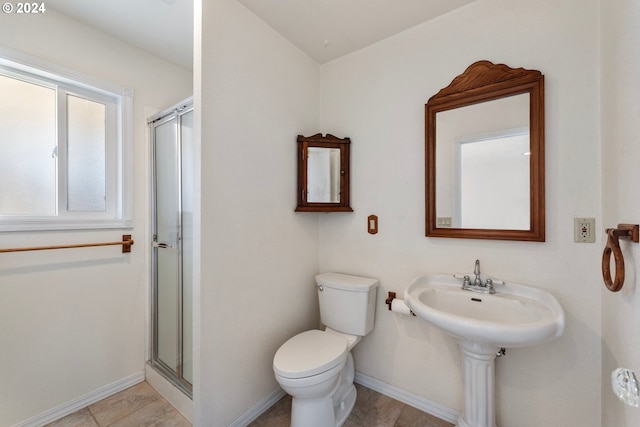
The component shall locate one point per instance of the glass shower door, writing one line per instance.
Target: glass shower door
(172, 146)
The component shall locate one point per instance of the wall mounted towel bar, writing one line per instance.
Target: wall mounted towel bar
(624, 231)
(126, 243)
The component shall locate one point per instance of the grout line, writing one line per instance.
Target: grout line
(92, 416)
(128, 415)
(157, 396)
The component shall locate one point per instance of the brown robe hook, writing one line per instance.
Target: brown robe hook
(624, 231)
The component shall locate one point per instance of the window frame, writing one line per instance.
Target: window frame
(119, 147)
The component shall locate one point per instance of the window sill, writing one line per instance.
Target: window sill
(49, 224)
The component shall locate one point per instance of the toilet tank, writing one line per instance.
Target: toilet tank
(347, 303)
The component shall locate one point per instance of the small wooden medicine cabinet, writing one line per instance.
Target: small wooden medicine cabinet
(323, 174)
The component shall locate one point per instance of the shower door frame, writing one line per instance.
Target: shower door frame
(174, 377)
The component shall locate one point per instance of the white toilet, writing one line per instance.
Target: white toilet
(316, 367)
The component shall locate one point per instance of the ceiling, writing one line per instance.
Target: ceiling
(329, 29)
(324, 29)
(162, 27)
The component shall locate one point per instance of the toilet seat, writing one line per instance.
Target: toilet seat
(310, 353)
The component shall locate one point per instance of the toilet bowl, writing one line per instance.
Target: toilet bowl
(316, 367)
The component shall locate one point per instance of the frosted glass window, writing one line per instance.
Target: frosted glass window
(66, 149)
(27, 144)
(86, 151)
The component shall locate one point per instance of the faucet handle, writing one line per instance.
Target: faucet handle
(489, 286)
(466, 280)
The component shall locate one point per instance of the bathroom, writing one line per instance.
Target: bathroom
(75, 322)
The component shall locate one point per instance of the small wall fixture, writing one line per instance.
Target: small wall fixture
(624, 231)
(372, 224)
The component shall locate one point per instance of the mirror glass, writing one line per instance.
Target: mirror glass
(484, 155)
(323, 175)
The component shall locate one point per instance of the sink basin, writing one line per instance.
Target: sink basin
(515, 316)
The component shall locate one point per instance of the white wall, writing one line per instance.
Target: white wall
(376, 97)
(73, 321)
(254, 93)
(620, 194)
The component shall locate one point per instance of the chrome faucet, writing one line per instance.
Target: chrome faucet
(476, 272)
(477, 285)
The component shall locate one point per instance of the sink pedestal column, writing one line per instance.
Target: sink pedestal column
(479, 386)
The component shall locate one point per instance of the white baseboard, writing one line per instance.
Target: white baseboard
(82, 402)
(258, 409)
(408, 398)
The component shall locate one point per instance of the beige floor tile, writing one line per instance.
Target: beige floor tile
(156, 414)
(279, 415)
(373, 409)
(81, 418)
(412, 417)
(350, 423)
(122, 404)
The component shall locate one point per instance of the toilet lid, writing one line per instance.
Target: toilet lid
(309, 353)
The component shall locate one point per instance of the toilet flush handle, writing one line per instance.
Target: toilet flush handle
(320, 288)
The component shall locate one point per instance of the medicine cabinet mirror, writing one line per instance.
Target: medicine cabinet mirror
(484, 148)
(323, 174)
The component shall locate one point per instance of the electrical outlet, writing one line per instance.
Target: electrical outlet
(584, 230)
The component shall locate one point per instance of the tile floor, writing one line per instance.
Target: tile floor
(141, 406)
(137, 406)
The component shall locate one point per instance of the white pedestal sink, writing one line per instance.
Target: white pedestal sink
(515, 316)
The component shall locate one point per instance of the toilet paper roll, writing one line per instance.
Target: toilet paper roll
(398, 306)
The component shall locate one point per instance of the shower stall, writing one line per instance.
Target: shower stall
(172, 151)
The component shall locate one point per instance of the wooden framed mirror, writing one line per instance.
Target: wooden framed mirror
(484, 155)
(323, 174)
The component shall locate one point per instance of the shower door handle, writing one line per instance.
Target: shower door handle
(163, 245)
